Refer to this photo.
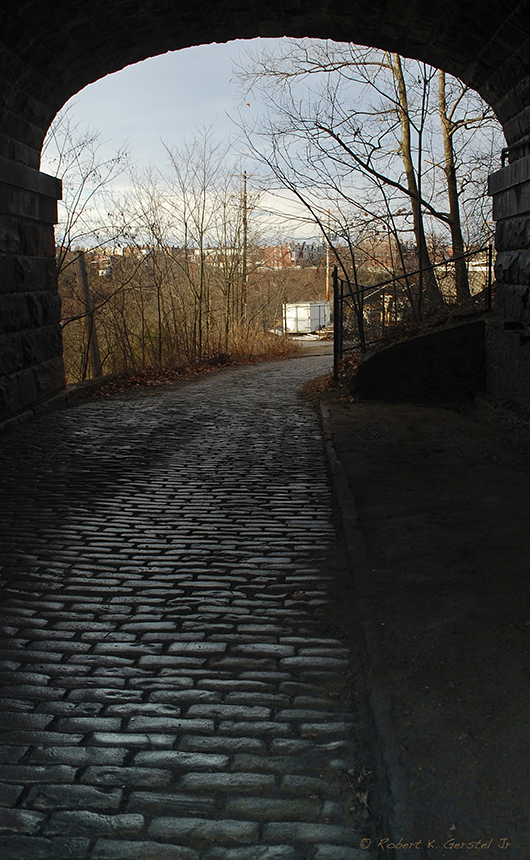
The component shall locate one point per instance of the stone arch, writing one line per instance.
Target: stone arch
(49, 51)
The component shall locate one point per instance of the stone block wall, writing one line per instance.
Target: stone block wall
(31, 365)
(510, 189)
(49, 51)
(443, 366)
(508, 338)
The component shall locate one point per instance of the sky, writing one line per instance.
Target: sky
(164, 98)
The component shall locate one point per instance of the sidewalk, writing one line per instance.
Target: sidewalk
(443, 501)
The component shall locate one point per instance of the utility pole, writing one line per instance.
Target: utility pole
(241, 304)
(328, 257)
(93, 345)
(245, 250)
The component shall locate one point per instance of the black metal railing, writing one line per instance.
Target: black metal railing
(401, 306)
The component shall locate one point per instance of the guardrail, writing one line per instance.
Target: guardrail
(367, 315)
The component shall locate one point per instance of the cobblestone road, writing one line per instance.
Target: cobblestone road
(169, 689)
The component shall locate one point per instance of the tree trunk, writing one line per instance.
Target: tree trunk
(429, 292)
(461, 276)
(92, 335)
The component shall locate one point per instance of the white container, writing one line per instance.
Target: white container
(305, 317)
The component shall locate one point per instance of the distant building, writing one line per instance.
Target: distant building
(307, 253)
(276, 257)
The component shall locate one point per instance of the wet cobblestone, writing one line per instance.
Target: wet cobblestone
(165, 672)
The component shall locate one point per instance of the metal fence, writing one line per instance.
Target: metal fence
(367, 315)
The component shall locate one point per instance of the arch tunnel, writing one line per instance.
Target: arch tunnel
(49, 51)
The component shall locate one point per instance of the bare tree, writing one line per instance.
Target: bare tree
(461, 113)
(79, 157)
(183, 285)
(353, 130)
(210, 210)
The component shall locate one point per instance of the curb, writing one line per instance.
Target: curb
(390, 777)
(69, 396)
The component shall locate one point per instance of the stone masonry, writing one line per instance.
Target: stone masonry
(508, 338)
(170, 690)
(31, 365)
(49, 51)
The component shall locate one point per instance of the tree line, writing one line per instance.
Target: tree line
(187, 279)
(379, 151)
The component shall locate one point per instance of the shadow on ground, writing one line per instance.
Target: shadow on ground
(443, 499)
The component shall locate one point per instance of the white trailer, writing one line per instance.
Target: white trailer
(305, 317)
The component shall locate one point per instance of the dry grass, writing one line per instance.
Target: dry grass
(315, 389)
(263, 347)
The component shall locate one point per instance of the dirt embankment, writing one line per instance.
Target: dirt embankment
(444, 501)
